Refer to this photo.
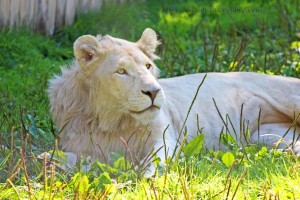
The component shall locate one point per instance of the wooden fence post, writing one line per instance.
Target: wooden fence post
(47, 16)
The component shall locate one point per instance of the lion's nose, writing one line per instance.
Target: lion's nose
(151, 94)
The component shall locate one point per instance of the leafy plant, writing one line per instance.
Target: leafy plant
(194, 147)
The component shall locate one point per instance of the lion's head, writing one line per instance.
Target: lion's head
(121, 74)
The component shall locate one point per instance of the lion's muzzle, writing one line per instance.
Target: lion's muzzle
(152, 94)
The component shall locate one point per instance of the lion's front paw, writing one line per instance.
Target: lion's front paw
(150, 171)
(296, 148)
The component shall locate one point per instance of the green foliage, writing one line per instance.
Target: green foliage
(196, 37)
(229, 141)
(81, 184)
(228, 159)
(100, 182)
(194, 146)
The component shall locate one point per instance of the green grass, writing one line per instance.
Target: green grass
(192, 42)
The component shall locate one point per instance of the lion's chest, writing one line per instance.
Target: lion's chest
(134, 144)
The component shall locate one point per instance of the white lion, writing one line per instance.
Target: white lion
(110, 100)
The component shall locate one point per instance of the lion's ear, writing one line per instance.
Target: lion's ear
(148, 43)
(87, 51)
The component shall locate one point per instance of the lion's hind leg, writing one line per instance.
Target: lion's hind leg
(278, 135)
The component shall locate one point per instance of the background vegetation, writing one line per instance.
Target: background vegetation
(196, 37)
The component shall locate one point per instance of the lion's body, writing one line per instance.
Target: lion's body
(110, 100)
(230, 102)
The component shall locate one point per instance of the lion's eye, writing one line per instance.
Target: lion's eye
(122, 71)
(148, 65)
